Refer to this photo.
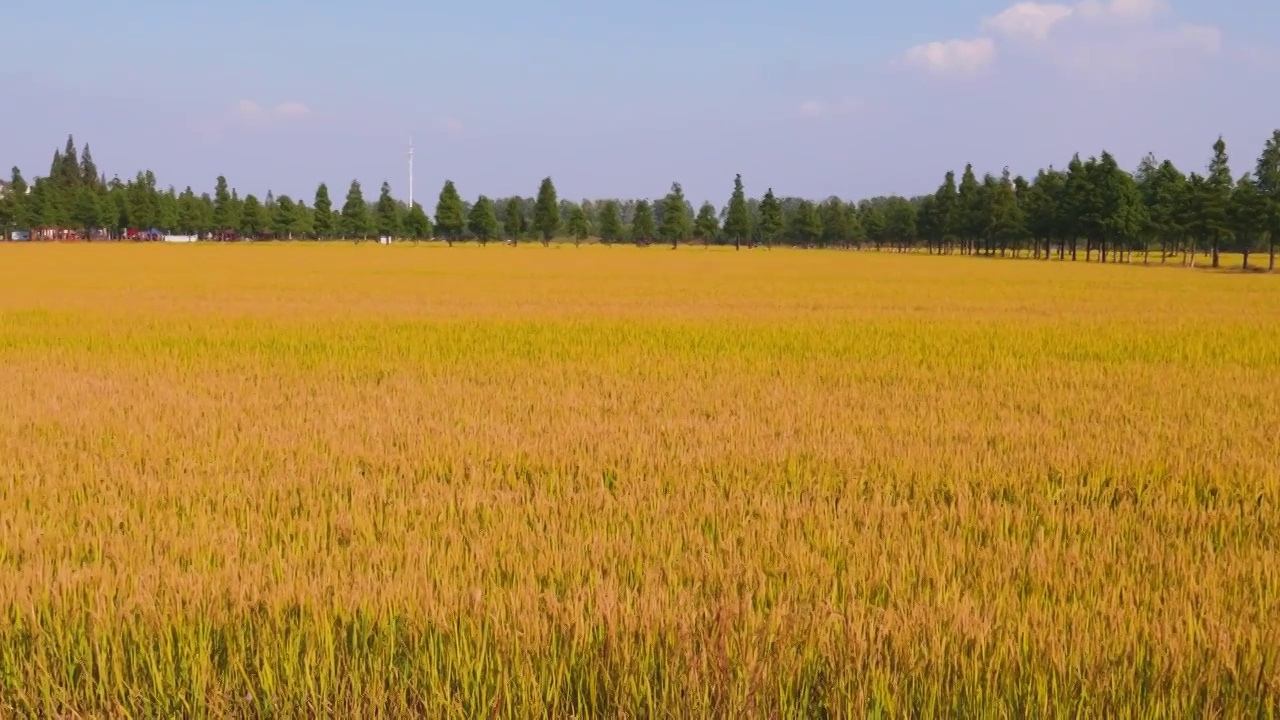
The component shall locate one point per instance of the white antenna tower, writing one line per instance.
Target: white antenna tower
(410, 172)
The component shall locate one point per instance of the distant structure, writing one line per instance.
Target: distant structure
(410, 172)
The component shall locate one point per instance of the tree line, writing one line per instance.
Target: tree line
(1092, 208)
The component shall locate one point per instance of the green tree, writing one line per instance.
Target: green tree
(1044, 212)
(282, 217)
(89, 171)
(706, 226)
(806, 223)
(322, 213)
(416, 223)
(88, 210)
(355, 213)
(546, 214)
(578, 226)
(513, 223)
(771, 219)
(388, 212)
(301, 220)
(483, 221)
(224, 219)
(970, 219)
(642, 224)
(875, 224)
(254, 218)
(900, 221)
(1247, 215)
(451, 215)
(610, 222)
(946, 211)
(676, 224)
(1005, 222)
(1267, 174)
(1217, 199)
(836, 216)
(737, 221)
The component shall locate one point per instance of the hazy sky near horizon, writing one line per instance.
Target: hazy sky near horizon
(811, 97)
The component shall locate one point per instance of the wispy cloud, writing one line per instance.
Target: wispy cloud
(952, 57)
(1098, 36)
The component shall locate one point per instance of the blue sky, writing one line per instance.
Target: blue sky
(812, 97)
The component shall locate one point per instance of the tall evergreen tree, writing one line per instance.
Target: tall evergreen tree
(546, 214)
(946, 210)
(706, 226)
(772, 222)
(282, 218)
(483, 221)
(451, 214)
(416, 223)
(578, 226)
(737, 221)
(1267, 175)
(1217, 199)
(355, 213)
(1123, 215)
(223, 217)
(806, 223)
(835, 222)
(1247, 215)
(388, 212)
(89, 170)
(972, 219)
(610, 222)
(676, 224)
(253, 217)
(322, 213)
(642, 224)
(513, 223)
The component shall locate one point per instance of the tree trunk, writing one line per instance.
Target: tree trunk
(1271, 247)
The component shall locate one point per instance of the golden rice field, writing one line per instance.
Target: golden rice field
(301, 481)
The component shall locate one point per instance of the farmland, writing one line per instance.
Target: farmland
(309, 479)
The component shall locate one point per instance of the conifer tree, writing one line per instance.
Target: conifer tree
(416, 223)
(771, 219)
(388, 212)
(322, 213)
(1217, 199)
(451, 215)
(513, 223)
(546, 213)
(483, 221)
(610, 222)
(642, 224)
(355, 213)
(737, 221)
(578, 226)
(706, 226)
(676, 223)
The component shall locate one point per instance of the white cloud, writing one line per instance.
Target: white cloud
(959, 57)
(291, 109)
(248, 109)
(1028, 20)
(1109, 37)
(1133, 11)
